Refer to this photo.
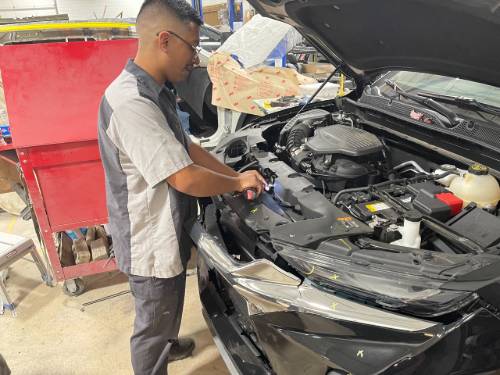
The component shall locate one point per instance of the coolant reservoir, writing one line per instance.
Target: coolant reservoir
(477, 186)
(453, 171)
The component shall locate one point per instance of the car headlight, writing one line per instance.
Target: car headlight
(415, 294)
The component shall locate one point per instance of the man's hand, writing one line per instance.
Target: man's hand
(199, 181)
(251, 180)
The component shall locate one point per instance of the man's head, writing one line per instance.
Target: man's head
(168, 39)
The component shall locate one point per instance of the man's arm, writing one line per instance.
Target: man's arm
(199, 181)
(203, 158)
(160, 156)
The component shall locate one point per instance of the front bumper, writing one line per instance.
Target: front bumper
(297, 328)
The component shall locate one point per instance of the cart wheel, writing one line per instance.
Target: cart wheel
(73, 287)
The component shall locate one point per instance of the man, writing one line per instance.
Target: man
(153, 172)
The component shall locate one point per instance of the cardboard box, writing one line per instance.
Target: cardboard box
(211, 14)
(318, 68)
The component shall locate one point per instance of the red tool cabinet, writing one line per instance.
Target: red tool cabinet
(52, 92)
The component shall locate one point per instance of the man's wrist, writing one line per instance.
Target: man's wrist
(237, 183)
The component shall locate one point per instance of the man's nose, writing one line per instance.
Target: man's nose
(196, 59)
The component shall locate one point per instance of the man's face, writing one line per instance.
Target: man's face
(182, 52)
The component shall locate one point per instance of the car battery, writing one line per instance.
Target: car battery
(434, 201)
(428, 186)
(452, 201)
(366, 210)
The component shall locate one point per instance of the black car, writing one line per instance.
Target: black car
(375, 248)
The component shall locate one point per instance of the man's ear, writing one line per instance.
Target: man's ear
(163, 40)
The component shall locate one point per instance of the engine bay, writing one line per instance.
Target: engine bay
(342, 200)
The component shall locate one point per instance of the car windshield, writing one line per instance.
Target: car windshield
(442, 85)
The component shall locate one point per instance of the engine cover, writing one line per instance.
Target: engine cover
(343, 140)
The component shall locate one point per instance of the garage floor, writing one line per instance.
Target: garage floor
(51, 335)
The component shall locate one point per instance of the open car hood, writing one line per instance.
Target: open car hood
(456, 38)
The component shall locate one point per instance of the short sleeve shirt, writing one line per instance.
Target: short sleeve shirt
(142, 143)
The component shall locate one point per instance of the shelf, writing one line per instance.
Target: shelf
(92, 268)
(7, 147)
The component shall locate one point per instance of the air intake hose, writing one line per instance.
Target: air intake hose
(295, 139)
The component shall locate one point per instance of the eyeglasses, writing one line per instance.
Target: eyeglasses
(196, 49)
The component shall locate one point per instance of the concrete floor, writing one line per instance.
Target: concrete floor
(52, 335)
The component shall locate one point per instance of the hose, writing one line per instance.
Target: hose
(294, 140)
(296, 137)
(380, 184)
(412, 163)
(245, 167)
(445, 174)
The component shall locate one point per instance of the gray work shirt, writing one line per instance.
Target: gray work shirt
(142, 143)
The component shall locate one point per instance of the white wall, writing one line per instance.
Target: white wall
(77, 9)
(14, 8)
(89, 9)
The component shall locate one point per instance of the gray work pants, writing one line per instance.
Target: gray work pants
(4, 369)
(158, 313)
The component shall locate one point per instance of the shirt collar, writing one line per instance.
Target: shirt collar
(144, 77)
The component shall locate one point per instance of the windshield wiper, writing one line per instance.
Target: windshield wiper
(452, 117)
(463, 101)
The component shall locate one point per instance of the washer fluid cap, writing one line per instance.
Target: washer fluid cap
(413, 216)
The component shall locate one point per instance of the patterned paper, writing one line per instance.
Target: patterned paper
(236, 88)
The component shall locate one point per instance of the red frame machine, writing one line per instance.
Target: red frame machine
(52, 93)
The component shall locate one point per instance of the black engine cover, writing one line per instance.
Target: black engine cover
(339, 168)
(343, 140)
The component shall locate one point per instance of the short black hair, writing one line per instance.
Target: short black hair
(180, 8)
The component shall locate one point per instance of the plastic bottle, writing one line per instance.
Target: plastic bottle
(477, 186)
(410, 230)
